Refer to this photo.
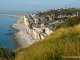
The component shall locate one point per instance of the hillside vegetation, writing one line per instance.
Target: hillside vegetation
(60, 12)
(70, 22)
(6, 54)
(62, 42)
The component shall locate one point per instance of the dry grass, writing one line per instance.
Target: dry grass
(62, 42)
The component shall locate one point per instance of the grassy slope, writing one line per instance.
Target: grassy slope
(62, 42)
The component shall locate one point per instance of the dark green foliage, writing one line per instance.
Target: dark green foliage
(6, 54)
(69, 22)
(60, 12)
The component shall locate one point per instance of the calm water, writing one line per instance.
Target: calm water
(6, 39)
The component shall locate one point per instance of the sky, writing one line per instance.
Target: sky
(36, 5)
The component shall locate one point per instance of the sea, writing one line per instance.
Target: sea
(6, 39)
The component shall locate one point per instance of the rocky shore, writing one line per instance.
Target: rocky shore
(22, 38)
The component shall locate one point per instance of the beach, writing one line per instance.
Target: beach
(22, 38)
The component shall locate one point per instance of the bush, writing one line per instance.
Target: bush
(6, 54)
(69, 22)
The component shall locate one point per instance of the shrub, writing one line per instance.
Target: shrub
(69, 22)
(6, 54)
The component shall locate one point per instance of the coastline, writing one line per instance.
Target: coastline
(14, 35)
(22, 38)
(15, 38)
(12, 15)
(6, 38)
(13, 26)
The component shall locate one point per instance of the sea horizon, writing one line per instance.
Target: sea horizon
(18, 12)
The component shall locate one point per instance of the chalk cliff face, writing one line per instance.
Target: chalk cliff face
(36, 28)
(25, 37)
(26, 22)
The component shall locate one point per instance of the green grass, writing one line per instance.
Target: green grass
(62, 42)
